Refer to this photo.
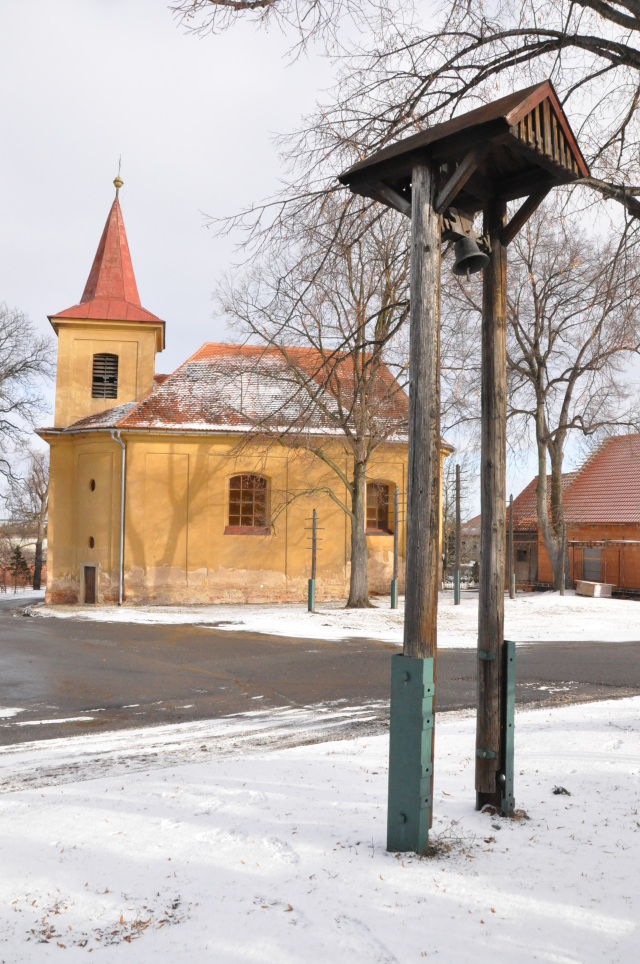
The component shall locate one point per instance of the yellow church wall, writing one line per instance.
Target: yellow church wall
(135, 346)
(79, 513)
(176, 511)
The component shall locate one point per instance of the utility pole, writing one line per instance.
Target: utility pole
(396, 525)
(311, 596)
(456, 574)
(512, 575)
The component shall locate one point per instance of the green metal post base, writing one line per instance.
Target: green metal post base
(311, 596)
(507, 802)
(394, 593)
(503, 796)
(410, 749)
(456, 588)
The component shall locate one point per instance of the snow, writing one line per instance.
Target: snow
(530, 618)
(214, 841)
(22, 593)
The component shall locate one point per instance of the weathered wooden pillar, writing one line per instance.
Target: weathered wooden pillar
(492, 509)
(423, 484)
(413, 672)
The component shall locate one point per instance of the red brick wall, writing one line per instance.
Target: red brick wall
(620, 566)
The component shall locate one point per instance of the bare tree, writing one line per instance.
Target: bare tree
(26, 361)
(574, 328)
(306, 20)
(27, 503)
(406, 73)
(334, 319)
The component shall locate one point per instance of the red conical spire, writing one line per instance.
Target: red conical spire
(111, 293)
(112, 274)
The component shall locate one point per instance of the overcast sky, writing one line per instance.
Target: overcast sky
(87, 80)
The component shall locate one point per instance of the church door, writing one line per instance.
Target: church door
(89, 584)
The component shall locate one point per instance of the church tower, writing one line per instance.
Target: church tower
(108, 342)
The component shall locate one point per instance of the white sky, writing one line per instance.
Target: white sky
(87, 80)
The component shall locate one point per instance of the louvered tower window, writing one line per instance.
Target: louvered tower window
(105, 376)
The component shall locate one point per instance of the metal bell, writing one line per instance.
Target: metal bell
(469, 259)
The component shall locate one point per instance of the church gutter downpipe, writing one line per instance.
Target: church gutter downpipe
(115, 435)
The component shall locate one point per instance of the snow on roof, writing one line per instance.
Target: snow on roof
(107, 419)
(246, 388)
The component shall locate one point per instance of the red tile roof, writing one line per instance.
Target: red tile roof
(607, 487)
(525, 505)
(111, 293)
(240, 387)
(246, 385)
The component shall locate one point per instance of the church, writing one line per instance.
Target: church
(163, 492)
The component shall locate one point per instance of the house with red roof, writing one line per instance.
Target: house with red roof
(199, 486)
(602, 516)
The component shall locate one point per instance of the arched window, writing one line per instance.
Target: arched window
(248, 503)
(378, 507)
(105, 376)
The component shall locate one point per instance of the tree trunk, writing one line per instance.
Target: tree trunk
(557, 511)
(551, 544)
(358, 591)
(37, 565)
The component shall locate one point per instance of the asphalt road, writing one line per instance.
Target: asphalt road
(72, 677)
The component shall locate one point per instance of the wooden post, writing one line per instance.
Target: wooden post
(564, 552)
(396, 524)
(492, 503)
(512, 582)
(456, 574)
(423, 483)
(413, 673)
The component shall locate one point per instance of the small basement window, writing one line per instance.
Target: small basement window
(105, 376)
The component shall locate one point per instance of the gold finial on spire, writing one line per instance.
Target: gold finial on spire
(118, 182)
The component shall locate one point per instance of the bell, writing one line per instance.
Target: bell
(469, 259)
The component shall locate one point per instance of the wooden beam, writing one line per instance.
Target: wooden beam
(423, 477)
(492, 511)
(521, 216)
(459, 178)
(386, 195)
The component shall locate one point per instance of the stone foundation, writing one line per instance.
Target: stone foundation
(169, 586)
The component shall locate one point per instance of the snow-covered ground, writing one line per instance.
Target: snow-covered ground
(21, 593)
(530, 617)
(195, 843)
